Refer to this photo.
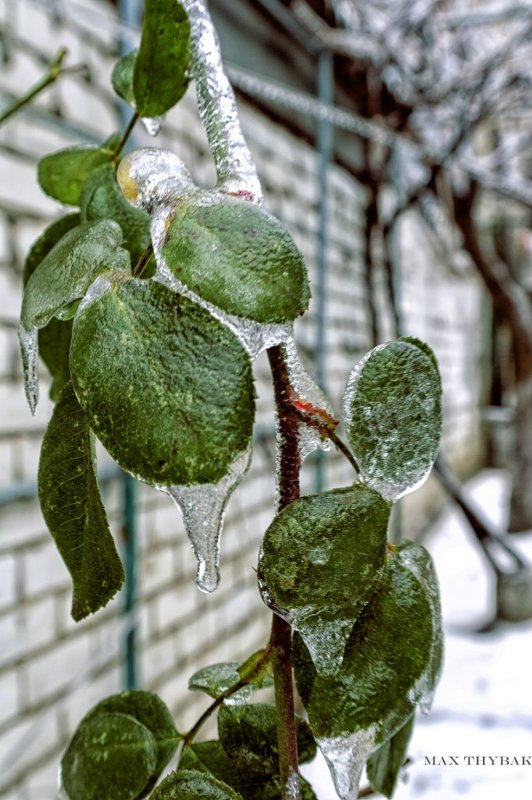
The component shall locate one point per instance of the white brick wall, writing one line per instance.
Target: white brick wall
(41, 650)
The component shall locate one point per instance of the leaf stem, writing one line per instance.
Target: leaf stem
(127, 133)
(55, 70)
(189, 737)
(281, 636)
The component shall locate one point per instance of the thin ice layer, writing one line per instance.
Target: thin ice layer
(346, 757)
(203, 509)
(29, 346)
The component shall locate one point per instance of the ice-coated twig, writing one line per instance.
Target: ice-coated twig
(234, 164)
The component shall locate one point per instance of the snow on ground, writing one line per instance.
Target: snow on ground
(483, 706)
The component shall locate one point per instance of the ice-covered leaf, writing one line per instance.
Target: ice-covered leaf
(44, 243)
(385, 764)
(73, 510)
(321, 560)
(122, 77)
(65, 274)
(54, 349)
(392, 648)
(248, 734)
(148, 709)
(210, 757)
(193, 785)
(167, 388)
(216, 679)
(160, 73)
(101, 198)
(150, 176)
(110, 755)
(62, 174)
(393, 416)
(236, 256)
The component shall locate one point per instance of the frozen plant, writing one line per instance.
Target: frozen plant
(148, 306)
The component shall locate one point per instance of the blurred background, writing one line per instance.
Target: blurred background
(393, 139)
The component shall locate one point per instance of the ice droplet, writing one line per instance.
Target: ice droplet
(203, 509)
(29, 346)
(325, 641)
(150, 177)
(346, 757)
(153, 125)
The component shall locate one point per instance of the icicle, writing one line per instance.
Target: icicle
(29, 345)
(235, 167)
(309, 393)
(203, 509)
(153, 125)
(346, 757)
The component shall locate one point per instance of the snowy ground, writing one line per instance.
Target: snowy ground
(483, 707)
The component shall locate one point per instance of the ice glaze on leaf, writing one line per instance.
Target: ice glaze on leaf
(167, 388)
(320, 561)
(210, 757)
(44, 243)
(160, 73)
(65, 274)
(122, 77)
(193, 785)
(385, 764)
(393, 415)
(216, 679)
(54, 349)
(110, 756)
(383, 676)
(148, 709)
(101, 198)
(248, 734)
(62, 174)
(238, 257)
(72, 508)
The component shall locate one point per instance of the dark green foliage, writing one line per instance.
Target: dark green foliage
(66, 272)
(122, 77)
(385, 764)
(193, 785)
(320, 562)
(388, 663)
(101, 198)
(238, 257)
(393, 410)
(62, 174)
(160, 72)
(148, 709)
(168, 389)
(216, 679)
(72, 508)
(111, 757)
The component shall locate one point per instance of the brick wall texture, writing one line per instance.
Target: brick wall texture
(52, 670)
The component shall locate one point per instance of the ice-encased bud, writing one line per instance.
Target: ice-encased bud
(151, 176)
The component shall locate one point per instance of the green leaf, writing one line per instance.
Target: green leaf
(101, 199)
(160, 75)
(393, 415)
(216, 679)
(168, 389)
(236, 256)
(122, 77)
(48, 238)
(248, 734)
(388, 667)
(257, 670)
(148, 709)
(62, 174)
(54, 349)
(66, 273)
(193, 785)
(110, 756)
(210, 757)
(384, 765)
(321, 560)
(72, 508)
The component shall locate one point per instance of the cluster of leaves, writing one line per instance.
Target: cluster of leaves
(138, 360)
